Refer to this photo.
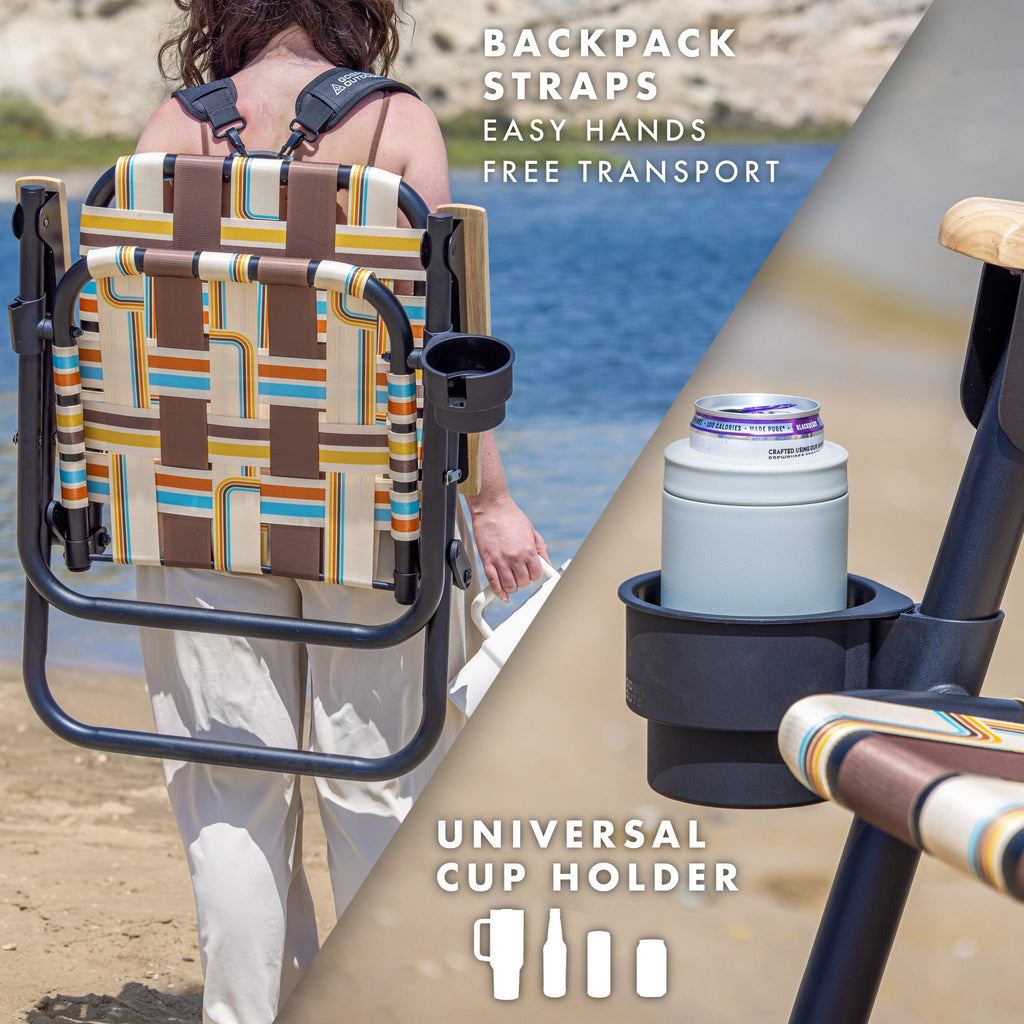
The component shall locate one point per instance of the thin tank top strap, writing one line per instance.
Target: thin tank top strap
(372, 158)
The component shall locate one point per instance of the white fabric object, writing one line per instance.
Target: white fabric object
(473, 681)
(241, 828)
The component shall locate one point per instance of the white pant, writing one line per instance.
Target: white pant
(241, 828)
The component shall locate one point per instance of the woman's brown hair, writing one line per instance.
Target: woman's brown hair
(217, 38)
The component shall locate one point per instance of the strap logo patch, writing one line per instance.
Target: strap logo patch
(349, 78)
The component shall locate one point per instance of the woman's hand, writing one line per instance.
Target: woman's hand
(510, 548)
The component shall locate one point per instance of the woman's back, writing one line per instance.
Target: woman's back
(409, 142)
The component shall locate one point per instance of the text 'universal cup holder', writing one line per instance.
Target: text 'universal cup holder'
(467, 379)
(714, 688)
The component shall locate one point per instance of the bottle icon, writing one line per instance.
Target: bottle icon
(554, 956)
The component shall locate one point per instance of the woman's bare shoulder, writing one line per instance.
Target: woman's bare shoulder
(412, 143)
(170, 130)
(411, 122)
(408, 125)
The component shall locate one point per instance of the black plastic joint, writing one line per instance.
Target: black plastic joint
(454, 256)
(924, 653)
(406, 586)
(70, 525)
(458, 561)
(26, 318)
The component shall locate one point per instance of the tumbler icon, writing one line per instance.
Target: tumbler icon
(505, 949)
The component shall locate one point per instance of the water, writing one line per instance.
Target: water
(610, 295)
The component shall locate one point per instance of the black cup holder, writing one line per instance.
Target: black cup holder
(467, 379)
(714, 689)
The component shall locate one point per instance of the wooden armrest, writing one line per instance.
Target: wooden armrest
(52, 185)
(991, 230)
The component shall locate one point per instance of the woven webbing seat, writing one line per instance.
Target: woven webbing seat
(241, 452)
(243, 395)
(235, 387)
(948, 783)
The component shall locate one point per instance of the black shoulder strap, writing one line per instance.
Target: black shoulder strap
(215, 102)
(329, 97)
(318, 108)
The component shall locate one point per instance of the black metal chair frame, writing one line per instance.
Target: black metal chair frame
(969, 576)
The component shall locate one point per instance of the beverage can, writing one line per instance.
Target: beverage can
(757, 427)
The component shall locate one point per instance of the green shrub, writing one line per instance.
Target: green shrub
(22, 117)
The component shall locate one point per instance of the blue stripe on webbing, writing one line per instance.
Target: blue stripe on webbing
(281, 508)
(203, 501)
(316, 391)
(171, 380)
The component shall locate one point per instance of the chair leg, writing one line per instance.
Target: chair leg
(967, 582)
(857, 929)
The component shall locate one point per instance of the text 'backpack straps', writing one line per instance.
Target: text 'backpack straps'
(328, 98)
(215, 102)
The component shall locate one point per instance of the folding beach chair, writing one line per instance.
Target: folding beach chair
(225, 381)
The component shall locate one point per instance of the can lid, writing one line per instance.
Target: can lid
(697, 476)
(756, 427)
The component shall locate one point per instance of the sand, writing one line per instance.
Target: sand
(97, 921)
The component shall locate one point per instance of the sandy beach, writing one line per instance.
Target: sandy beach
(96, 915)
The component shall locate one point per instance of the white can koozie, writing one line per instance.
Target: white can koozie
(754, 511)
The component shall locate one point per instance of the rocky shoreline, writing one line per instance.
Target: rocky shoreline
(809, 64)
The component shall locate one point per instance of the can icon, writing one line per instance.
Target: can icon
(651, 968)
